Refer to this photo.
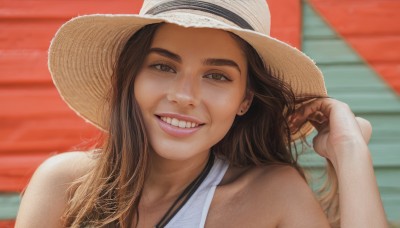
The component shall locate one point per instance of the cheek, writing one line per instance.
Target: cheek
(145, 90)
(139, 91)
(223, 106)
(228, 97)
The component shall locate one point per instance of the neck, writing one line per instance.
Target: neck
(168, 178)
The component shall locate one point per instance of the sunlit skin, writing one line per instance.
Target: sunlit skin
(191, 85)
(187, 74)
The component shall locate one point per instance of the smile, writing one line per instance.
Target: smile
(178, 123)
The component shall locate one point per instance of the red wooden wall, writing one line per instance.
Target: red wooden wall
(372, 28)
(34, 121)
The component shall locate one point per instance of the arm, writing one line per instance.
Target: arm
(45, 198)
(342, 138)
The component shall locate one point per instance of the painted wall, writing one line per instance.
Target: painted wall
(35, 123)
(352, 41)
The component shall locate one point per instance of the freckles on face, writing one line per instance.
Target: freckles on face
(196, 76)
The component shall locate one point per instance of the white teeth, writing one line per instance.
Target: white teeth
(175, 122)
(178, 123)
(182, 124)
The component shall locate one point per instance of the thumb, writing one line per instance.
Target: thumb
(365, 127)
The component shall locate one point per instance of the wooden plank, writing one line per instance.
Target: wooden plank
(384, 155)
(314, 27)
(369, 17)
(46, 135)
(31, 102)
(330, 51)
(7, 223)
(358, 85)
(16, 171)
(24, 68)
(351, 76)
(8, 206)
(46, 9)
(37, 120)
(390, 72)
(382, 126)
(27, 34)
(286, 21)
(368, 101)
(377, 48)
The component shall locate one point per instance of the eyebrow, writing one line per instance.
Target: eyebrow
(210, 61)
(222, 62)
(166, 53)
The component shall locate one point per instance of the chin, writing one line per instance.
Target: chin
(178, 153)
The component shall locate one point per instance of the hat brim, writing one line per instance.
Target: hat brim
(83, 52)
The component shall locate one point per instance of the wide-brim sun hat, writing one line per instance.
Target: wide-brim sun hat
(84, 50)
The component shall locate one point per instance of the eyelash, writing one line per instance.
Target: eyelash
(221, 76)
(159, 66)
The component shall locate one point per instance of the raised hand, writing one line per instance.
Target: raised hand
(338, 129)
(342, 138)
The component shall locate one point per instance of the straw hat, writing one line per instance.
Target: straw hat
(84, 50)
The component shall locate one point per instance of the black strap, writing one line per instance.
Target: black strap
(186, 194)
(201, 6)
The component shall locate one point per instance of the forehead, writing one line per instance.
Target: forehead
(202, 41)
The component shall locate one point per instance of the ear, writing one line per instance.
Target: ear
(245, 105)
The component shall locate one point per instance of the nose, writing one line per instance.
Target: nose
(184, 91)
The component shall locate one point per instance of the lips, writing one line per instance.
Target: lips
(178, 125)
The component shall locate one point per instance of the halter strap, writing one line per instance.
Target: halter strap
(186, 194)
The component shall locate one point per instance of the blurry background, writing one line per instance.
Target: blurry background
(356, 43)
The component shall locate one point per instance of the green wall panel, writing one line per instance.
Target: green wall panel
(350, 79)
(316, 28)
(8, 206)
(329, 51)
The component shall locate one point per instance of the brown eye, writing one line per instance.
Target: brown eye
(217, 77)
(163, 67)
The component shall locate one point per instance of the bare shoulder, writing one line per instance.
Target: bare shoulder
(45, 197)
(287, 193)
(277, 193)
(284, 177)
(68, 166)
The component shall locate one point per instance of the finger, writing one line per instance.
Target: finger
(317, 117)
(322, 106)
(365, 127)
(318, 142)
(319, 125)
(313, 111)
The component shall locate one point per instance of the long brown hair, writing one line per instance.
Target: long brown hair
(109, 195)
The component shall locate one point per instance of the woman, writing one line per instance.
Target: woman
(200, 107)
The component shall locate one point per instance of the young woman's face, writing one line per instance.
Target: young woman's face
(190, 88)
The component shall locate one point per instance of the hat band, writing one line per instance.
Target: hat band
(201, 6)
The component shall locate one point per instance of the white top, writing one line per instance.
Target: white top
(194, 212)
